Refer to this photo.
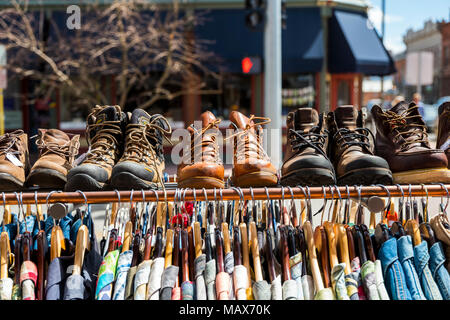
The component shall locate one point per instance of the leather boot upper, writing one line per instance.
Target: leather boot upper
(14, 157)
(104, 132)
(57, 150)
(203, 158)
(443, 137)
(306, 141)
(402, 139)
(349, 146)
(143, 155)
(249, 155)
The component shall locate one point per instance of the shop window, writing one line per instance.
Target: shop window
(343, 93)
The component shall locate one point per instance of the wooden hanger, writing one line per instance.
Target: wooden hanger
(303, 211)
(302, 245)
(321, 244)
(427, 233)
(343, 247)
(28, 213)
(136, 249)
(226, 238)
(359, 244)
(41, 246)
(269, 257)
(7, 218)
(127, 236)
(4, 254)
(176, 257)
(236, 247)
(285, 256)
(314, 264)
(255, 252)
(191, 252)
(245, 250)
(184, 255)
(18, 258)
(57, 243)
(332, 243)
(80, 247)
(368, 243)
(148, 245)
(219, 251)
(158, 249)
(412, 228)
(169, 248)
(198, 239)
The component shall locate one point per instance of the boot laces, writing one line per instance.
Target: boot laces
(243, 136)
(406, 133)
(199, 143)
(67, 150)
(8, 142)
(302, 139)
(357, 137)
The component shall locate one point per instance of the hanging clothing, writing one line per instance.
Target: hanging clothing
(393, 274)
(369, 280)
(141, 279)
(200, 285)
(106, 276)
(338, 282)
(168, 282)
(406, 257)
(440, 274)
(421, 260)
(154, 283)
(382, 292)
(123, 266)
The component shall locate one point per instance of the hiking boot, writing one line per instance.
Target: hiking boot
(207, 171)
(57, 152)
(350, 150)
(142, 163)
(251, 166)
(402, 140)
(14, 160)
(306, 162)
(443, 138)
(105, 129)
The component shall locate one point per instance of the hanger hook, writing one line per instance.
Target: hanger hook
(206, 196)
(221, 194)
(215, 194)
(48, 196)
(194, 194)
(324, 201)
(252, 195)
(85, 203)
(309, 204)
(131, 197)
(448, 197)
(389, 197)
(410, 193)
(4, 201)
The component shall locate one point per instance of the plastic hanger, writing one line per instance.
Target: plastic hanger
(82, 243)
(5, 251)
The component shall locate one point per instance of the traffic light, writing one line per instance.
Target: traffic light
(251, 65)
(254, 17)
(283, 14)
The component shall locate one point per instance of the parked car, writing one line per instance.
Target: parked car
(442, 100)
(430, 116)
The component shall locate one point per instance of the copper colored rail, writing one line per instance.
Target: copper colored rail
(226, 194)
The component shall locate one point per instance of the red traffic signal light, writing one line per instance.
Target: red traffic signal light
(247, 65)
(251, 65)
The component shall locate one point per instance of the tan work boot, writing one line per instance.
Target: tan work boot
(105, 131)
(57, 152)
(14, 160)
(207, 171)
(142, 163)
(252, 166)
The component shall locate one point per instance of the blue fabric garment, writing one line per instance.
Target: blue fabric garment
(406, 257)
(394, 276)
(421, 259)
(65, 224)
(437, 268)
(11, 228)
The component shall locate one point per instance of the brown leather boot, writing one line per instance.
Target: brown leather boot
(142, 163)
(208, 170)
(350, 150)
(402, 140)
(105, 131)
(57, 152)
(306, 162)
(252, 166)
(14, 160)
(443, 138)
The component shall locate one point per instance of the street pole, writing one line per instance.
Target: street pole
(383, 6)
(272, 79)
(325, 13)
(2, 114)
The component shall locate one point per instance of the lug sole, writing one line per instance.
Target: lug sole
(83, 182)
(308, 177)
(128, 181)
(366, 176)
(201, 182)
(10, 183)
(435, 175)
(256, 179)
(46, 178)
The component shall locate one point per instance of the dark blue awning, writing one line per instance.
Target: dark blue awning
(354, 46)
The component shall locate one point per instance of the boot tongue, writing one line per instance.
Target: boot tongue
(400, 108)
(207, 118)
(139, 116)
(346, 117)
(305, 119)
(240, 120)
(108, 113)
(55, 135)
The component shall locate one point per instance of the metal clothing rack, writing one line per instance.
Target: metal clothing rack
(328, 192)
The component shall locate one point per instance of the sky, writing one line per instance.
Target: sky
(404, 14)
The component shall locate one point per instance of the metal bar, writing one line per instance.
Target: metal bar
(227, 194)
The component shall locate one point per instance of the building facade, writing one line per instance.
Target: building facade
(445, 59)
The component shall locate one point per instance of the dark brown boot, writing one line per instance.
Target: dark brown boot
(251, 166)
(443, 137)
(402, 140)
(105, 131)
(57, 152)
(306, 162)
(350, 150)
(202, 167)
(14, 160)
(142, 163)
